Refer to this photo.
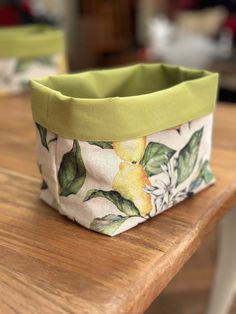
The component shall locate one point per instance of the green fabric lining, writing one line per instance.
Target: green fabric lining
(124, 103)
(30, 41)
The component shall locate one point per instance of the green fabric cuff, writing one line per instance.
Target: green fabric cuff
(123, 103)
(30, 41)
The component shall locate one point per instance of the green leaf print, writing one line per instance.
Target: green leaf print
(44, 185)
(43, 135)
(107, 224)
(22, 65)
(204, 176)
(195, 184)
(25, 63)
(72, 172)
(125, 206)
(45, 60)
(104, 145)
(188, 156)
(155, 155)
(206, 173)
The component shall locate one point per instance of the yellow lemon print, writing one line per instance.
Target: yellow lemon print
(130, 181)
(132, 150)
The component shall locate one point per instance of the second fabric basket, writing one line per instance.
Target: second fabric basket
(117, 147)
(27, 52)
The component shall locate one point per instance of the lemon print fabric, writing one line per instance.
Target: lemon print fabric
(110, 187)
(132, 150)
(131, 181)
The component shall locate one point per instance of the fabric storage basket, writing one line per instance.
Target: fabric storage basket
(27, 52)
(117, 147)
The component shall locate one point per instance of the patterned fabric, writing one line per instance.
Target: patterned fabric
(15, 73)
(110, 187)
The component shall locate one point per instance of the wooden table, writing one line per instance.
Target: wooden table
(49, 264)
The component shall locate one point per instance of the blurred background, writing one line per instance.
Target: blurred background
(106, 33)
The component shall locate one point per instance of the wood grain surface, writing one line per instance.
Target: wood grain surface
(50, 265)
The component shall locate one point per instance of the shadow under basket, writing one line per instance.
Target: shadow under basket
(27, 52)
(117, 147)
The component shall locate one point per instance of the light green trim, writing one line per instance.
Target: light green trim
(123, 103)
(30, 41)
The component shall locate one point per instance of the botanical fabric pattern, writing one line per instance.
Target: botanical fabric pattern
(110, 187)
(15, 73)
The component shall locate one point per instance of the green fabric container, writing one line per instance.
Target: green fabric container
(27, 52)
(117, 147)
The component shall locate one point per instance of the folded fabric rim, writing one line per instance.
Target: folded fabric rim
(30, 41)
(123, 103)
